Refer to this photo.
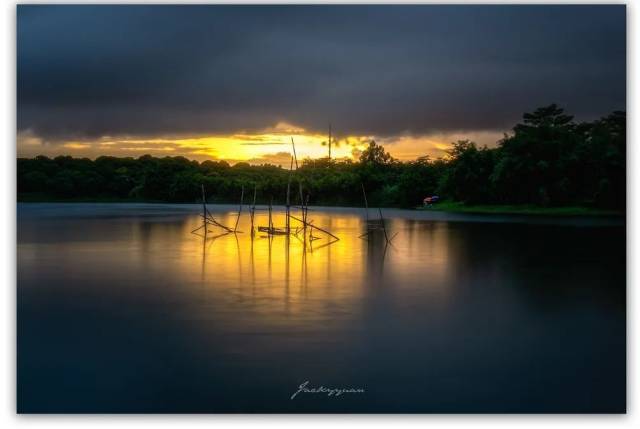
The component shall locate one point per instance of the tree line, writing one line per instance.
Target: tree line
(547, 160)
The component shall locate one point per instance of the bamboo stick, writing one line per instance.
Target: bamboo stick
(212, 221)
(204, 208)
(294, 152)
(270, 218)
(288, 220)
(313, 226)
(207, 216)
(366, 204)
(253, 208)
(235, 228)
(384, 228)
(306, 208)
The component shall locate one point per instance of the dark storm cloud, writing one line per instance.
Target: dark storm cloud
(87, 71)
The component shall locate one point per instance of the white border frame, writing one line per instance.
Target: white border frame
(9, 418)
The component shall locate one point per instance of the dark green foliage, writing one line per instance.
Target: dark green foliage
(548, 160)
(467, 175)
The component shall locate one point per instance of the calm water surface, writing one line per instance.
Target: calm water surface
(122, 309)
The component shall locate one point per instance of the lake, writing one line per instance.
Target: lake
(122, 309)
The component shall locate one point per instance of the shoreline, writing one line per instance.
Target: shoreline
(529, 210)
(442, 207)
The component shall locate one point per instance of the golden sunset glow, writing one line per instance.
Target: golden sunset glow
(271, 145)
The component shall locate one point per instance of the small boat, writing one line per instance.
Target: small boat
(273, 230)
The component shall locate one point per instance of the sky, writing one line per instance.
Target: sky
(239, 82)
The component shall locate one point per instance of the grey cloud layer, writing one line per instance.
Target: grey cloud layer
(86, 71)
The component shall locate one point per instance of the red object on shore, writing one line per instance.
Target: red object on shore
(430, 200)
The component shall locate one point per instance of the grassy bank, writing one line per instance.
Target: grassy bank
(451, 206)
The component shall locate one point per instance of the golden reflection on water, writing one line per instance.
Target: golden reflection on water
(237, 277)
(287, 273)
(278, 261)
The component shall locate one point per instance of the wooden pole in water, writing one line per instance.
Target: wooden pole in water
(235, 228)
(302, 210)
(384, 228)
(288, 219)
(304, 225)
(253, 207)
(210, 219)
(207, 217)
(313, 226)
(306, 209)
(270, 220)
(204, 209)
(366, 204)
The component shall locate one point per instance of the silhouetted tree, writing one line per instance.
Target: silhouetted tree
(548, 159)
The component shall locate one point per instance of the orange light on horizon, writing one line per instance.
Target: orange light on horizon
(268, 146)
